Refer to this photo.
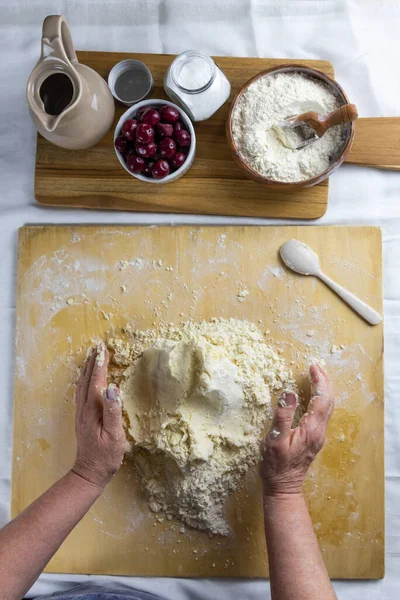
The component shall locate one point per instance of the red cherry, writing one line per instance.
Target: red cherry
(183, 138)
(144, 133)
(150, 116)
(177, 160)
(160, 169)
(121, 144)
(178, 126)
(146, 150)
(148, 168)
(164, 130)
(140, 112)
(167, 148)
(169, 114)
(135, 163)
(129, 129)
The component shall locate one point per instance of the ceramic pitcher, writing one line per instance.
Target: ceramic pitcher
(71, 105)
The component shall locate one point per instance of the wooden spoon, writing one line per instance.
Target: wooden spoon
(319, 123)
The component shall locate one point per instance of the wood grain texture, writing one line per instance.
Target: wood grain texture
(376, 143)
(119, 535)
(215, 185)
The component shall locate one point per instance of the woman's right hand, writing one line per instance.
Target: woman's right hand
(287, 453)
(98, 422)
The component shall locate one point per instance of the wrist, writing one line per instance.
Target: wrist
(279, 497)
(87, 479)
(278, 487)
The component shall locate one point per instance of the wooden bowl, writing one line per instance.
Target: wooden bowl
(253, 174)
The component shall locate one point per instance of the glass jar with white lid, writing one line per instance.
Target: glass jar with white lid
(197, 84)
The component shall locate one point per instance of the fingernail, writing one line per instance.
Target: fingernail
(287, 399)
(112, 393)
(317, 366)
(316, 379)
(101, 356)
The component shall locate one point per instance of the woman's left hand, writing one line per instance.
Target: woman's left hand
(98, 422)
(287, 453)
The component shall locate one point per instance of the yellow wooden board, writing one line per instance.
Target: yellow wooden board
(119, 535)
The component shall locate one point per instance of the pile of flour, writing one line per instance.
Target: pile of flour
(196, 399)
(268, 101)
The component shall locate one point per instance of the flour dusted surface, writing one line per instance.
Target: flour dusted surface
(271, 99)
(196, 400)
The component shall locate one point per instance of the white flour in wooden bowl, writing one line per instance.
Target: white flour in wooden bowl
(271, 99)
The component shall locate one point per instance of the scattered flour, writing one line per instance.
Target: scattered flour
(277, 272)
(268, 101)
(242, 295)
(196, 399)
(136, 263)
(275, 433)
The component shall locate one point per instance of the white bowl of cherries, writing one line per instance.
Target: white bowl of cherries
(155, 141)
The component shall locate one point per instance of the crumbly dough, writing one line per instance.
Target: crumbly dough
(196, 400)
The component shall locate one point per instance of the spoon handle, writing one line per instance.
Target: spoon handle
(321, 123)
(344, 114)
(368, 313)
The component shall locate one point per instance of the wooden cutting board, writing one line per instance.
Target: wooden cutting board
(376, 143)
(67, 277)
(214, 185)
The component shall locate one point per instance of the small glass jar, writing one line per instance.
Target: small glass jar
(197, 84)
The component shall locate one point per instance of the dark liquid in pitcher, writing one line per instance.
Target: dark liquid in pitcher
(56, 92)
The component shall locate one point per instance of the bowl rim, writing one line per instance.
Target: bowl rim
(190, 156)
(118, 69)
(255, 175)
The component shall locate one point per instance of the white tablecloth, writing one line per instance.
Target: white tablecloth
(362, 41)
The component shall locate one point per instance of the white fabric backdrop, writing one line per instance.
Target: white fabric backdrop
(362, 41)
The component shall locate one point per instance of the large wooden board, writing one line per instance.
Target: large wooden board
(215, 185)
(119, 535)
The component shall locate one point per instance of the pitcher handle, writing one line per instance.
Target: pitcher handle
(57, 40)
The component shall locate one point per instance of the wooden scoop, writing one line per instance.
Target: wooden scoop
(318, 123)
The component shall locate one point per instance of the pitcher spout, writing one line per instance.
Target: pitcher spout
(48, 122)
(52, 91)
